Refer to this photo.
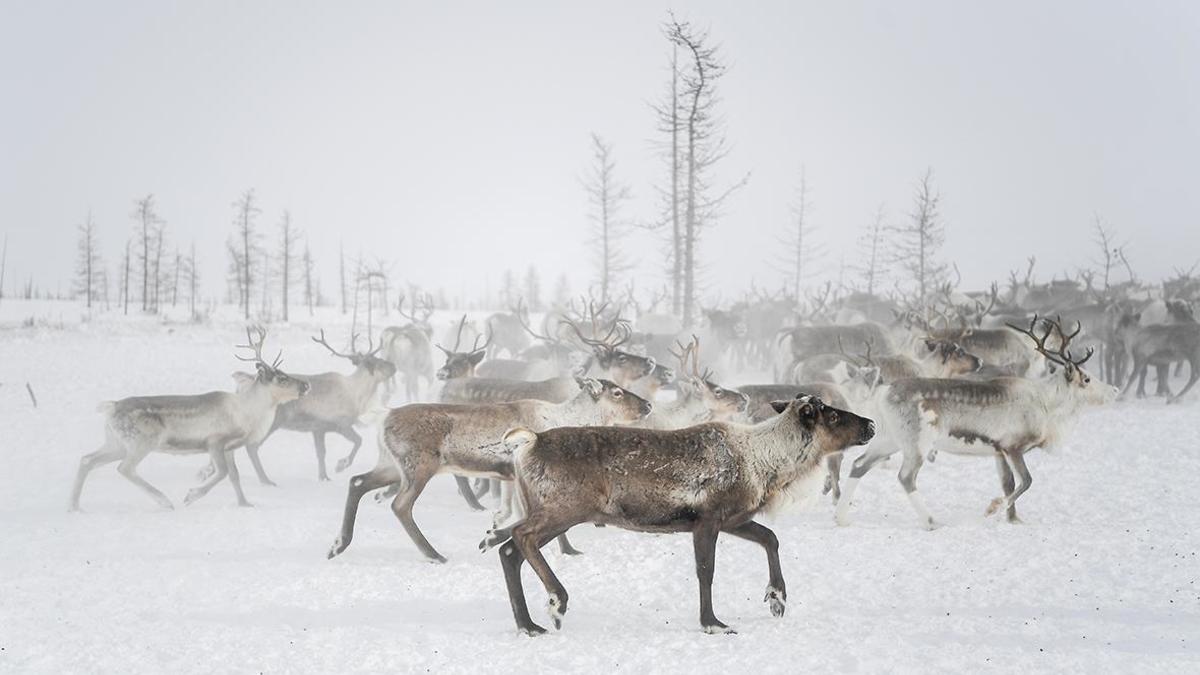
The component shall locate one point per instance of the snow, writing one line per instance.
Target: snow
(1101, 577)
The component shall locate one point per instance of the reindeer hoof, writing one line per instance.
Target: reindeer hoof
(567, 549)
(557, 607)
(192, 496)
(437, 559)
(841, 519)
(718, 628)
(994, 506)
(271, 483)
(245, 504)
(344, 464)
(777, 599)
(532, 630)
(336, 549)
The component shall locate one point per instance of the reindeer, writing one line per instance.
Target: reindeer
(1005, 418)
(705, 479)
(552, 357)
(507, 331)
(699, 399)
(217, 423)
(421, 440)
(609, 361)
(409, 350)
(335, 403)
(1160, 345)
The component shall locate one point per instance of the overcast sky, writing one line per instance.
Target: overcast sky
(450, 137)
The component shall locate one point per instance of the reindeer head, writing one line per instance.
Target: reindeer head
(281, 386)
(419, 314)
(954, 359)
(619, 365)
(826, 429)
(1069, 372)
(614, 404)
(378, 368)
(721, 403)
(462, 364)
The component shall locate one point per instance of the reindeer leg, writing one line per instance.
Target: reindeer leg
(529, 538)
(402, 506)
(481, 487)
(763, 536)
(1133, 375)
(352, 436)
(704, 541)
(319, 444)
(128, 469)
(1016, 457)
(1163, 377)
(913, 459)
(1007, 484)
(235, 479)
(564, 545)
(216, 454)
(511, 560)
(1193, 375)
(359, 486)
(833, 476)
(464, 488)
(252, 451)
(857, 470)
(108, 453)
(387, 495)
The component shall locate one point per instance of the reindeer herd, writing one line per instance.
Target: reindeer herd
(579, 420)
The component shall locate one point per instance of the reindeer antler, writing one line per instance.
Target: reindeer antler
(321, 341)
(257, 347)
(1063, 355)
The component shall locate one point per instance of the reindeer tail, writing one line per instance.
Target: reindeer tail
(518, 440)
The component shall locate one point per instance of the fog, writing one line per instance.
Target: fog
(450, 139)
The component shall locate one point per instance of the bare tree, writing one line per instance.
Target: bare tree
(342, 273)
(160, 235)
(193, 273)
(288, 238)
(147, 224)
(872, 267)
(125, 279)
(1110, 252)
(704, 146)
(918, 242)
(532, 291)
(307, 261)
(799, 245)
(669, 116)
(87, 268)
(606, 195)
(244, 246)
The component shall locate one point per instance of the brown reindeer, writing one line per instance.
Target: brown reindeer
(706, 479)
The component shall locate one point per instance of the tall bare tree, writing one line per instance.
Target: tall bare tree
(125, 278)
(342, 273)
(872, 264)
(669, 116)
(800, 247)
(307, 261)
(532, 291)
(87, 266)
(918, 242)
(3, 265)
(193, 274)
(606, 195)
(703, 147)
(288, 255)
(244, 247)
(147, 223)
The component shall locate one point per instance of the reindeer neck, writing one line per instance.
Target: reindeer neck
(779, 451)
(577, 411)
(254, 400)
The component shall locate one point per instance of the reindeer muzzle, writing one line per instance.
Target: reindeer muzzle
(868, 432)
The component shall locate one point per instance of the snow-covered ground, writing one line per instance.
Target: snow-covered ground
(1103, 575)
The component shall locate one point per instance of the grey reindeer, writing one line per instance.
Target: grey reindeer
(334, 404)
(419, 441)
(216, 423)
(706, 479)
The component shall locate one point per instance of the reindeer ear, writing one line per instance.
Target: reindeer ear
(476, 357)
(780, 406)
(930, 344)
(242, 380)
(592, 387)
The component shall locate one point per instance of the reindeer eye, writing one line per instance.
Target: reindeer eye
(617, 393)
(718, 392)
(833, 418)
